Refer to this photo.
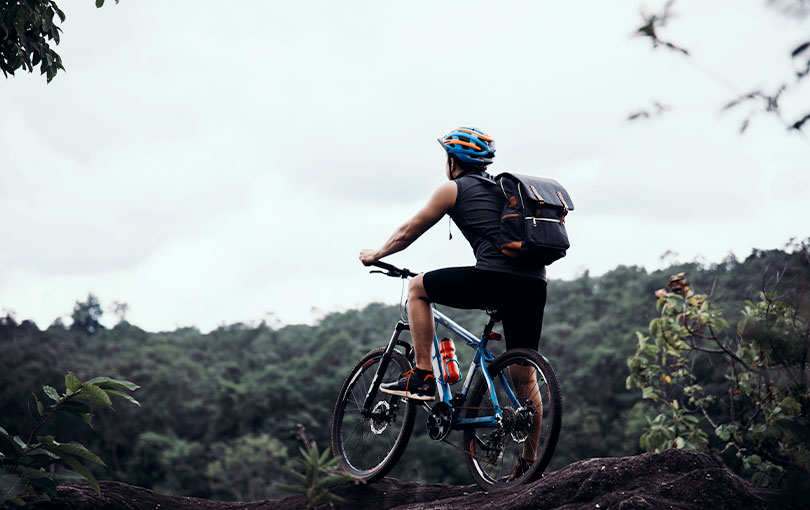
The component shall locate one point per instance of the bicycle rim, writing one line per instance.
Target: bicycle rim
(370, 446)
(531, 427)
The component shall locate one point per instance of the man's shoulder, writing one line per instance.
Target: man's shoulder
(481, 177)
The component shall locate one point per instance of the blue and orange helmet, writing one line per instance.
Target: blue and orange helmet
(469, 145)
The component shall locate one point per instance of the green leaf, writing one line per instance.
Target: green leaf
(11, 486)
(83, 471)
(649, 392)
(10, 439)
(91, 392)
(51, 392)
(43, 452)
(58, 12)
(324, 456)
(40, 408)
(120, 384)
(43, 483)
(294, 474)
(99, 3)
(73, 407)
(19, 442)
(331, 463)
(73, 383)
(71, 449)
(122, 395)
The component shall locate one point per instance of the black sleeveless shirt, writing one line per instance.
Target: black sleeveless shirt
(477, 213)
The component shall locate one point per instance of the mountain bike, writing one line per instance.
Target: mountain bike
(507, 406)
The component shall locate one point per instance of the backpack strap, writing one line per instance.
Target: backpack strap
(540, 201)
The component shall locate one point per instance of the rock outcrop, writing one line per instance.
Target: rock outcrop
(675, 479)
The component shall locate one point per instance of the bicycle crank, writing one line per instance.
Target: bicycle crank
(440, 421)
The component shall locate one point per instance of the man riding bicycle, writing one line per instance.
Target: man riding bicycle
(497, 282)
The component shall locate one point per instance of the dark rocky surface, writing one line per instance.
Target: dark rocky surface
(675, 479)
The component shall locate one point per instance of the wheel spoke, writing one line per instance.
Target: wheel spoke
(366, 443)
(521, 374)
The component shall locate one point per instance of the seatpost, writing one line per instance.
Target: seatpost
(489, 326)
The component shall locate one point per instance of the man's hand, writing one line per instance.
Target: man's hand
(368, 257)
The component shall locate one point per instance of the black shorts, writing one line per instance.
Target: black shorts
(520, 299)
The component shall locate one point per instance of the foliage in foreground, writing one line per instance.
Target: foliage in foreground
(27, 468)
(746, 393)
(27, 30)
(318, 475)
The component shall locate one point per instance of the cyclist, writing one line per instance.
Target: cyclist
(518, 291)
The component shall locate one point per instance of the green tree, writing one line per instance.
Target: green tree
(746, 392)
(86, 315)
(28, 28)
(246, 469)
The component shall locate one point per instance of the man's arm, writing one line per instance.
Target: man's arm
(439, 204)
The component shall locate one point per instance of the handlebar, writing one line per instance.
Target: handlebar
(393, 271)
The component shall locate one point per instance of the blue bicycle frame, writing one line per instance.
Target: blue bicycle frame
(482, 357)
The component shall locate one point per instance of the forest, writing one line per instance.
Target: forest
(219, 410)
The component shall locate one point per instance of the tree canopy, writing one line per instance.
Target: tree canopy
(209, 401)
(29, 31)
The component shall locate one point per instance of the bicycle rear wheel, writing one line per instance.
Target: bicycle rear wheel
(370, 442)
(528, 428)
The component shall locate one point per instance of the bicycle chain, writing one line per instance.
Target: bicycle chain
(470, 452)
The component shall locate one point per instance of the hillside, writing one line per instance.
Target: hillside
(674, 479)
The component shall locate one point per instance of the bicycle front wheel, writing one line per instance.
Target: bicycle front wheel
(370, 441)
(531, 404)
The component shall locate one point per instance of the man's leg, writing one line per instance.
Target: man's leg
(456, 287)
(420, 383)
(522, 325)
(525, 381)
(420, 318)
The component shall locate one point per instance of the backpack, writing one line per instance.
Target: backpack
(532, 228)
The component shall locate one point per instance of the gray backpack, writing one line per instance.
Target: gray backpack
(533, 219)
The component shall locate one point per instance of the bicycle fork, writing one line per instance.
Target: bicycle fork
(386, 358)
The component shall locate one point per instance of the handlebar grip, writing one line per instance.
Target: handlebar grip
(394, 270)
(387, 267)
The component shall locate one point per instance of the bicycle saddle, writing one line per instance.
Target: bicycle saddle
(495, 315)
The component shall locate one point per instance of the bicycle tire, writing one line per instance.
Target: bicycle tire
(497, 471)
(371, 460)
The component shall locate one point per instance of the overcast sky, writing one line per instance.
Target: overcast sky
(210, 162)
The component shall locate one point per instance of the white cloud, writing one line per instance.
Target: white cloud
(210, 163)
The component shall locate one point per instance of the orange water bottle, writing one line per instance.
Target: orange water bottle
(450, 366)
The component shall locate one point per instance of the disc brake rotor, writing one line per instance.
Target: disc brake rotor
(378, 417)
